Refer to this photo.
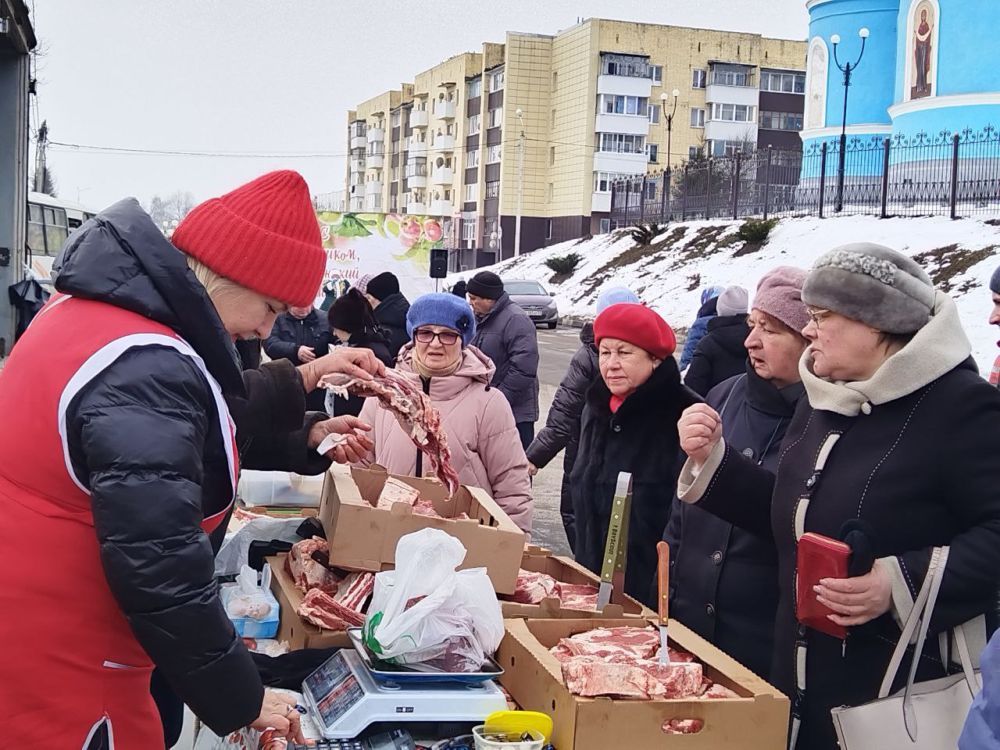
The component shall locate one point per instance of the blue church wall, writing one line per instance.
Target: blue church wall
(950, 119)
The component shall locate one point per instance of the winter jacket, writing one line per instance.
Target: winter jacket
(485, 448)
(562, 426)
(289, 333)
(697, 331)
(148, 445)
(338, 406)
(641, 438)
(249, 353)
(982, 727)
(723, 579)
(720, 354)
(910, 452)
(508, 337)
(391, 318)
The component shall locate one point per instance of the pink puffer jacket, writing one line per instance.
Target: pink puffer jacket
(485, 447)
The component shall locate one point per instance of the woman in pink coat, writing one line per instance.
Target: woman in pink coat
(485, 448)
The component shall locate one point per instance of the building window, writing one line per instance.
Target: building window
(474, 88)
(697, 118)
(650, 189)
(613, 104)
(654, 113)
(358, 128)
(698, 78)
(605, 226)
(496, 117)
(393, 204)
(553, 118)
(694, 152)
(493, 189)
(727, 148)
(493, 154)
(469, 231)
(471, 193)
(496, 80)
(780, 121)
(552, 192)
(630, 66)
(548, 229)
(552, 155)
(394, 174)
(653, 150)
(394, 119)
(783, 83)
(416, 169)
(472, 159)
(620, 143)
(555, 80)
(474, 124)
(733, 112)
(731, 75)
(657, 72)
(604, 180)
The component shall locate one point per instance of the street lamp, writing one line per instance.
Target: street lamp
(670, 118)
(846, 70)
(520, 184)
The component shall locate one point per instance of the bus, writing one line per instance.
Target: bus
(50, 221)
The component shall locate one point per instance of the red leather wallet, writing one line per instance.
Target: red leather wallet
(819, 557)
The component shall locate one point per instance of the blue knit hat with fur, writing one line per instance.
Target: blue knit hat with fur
(440, 309)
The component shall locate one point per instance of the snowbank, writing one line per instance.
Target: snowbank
(669, 273)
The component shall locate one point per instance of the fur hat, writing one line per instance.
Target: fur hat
(638, 325)
(873, 284)
(382, 286)
(779, 294)
(442, 309)
(733, 301)
(485, 284)
(615, 295)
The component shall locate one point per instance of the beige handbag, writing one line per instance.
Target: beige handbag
(922, 716)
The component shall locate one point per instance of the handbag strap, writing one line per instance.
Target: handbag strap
(965, 656)
(910, 627)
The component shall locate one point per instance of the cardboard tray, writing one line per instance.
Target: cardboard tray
(291, 628)
(540, 560)
(533, 677)
(363, 537)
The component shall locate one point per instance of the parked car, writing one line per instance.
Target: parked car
(531, 297)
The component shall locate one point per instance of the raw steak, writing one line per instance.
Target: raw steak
(306, 571)
(628, 677)
(642, 643)
(683, 726)
(532, 587)
(715, 690)
(412, 408)
(581, 596)
(355, 590)
(324, 611)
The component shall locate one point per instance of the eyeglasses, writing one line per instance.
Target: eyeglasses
(817, 315)
(426, 336)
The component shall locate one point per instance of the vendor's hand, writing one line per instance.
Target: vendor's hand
(306, 354)
(857, 600)
(278, 713)
(699, 429)
(354, 362)
(532, 469)
(354, 449)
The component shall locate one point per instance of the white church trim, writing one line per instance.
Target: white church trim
(945, 102)
(862, 129)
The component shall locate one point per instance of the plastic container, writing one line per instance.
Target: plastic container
(278, 489)
(250, 627)
(484, 740)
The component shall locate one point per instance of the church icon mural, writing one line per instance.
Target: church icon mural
(923, 50)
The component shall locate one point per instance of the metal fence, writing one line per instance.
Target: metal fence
(956, 175)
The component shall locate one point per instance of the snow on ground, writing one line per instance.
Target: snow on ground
(668, 274)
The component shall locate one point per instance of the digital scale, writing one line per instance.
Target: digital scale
(350, 692)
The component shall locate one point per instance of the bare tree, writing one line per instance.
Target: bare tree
(165, 211)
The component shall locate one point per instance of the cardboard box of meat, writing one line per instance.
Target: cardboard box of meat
(366, 511)
(558, 587)
(317, 605)
(600, 681)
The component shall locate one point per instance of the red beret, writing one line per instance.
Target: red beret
(638, 325)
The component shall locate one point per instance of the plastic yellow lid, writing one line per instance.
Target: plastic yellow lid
(519, 721)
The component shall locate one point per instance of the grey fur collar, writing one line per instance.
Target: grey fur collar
(937, 348)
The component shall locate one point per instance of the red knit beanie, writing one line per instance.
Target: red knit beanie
(263, 235)
(638, 325)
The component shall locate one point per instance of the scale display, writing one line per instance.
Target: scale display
(345, 699)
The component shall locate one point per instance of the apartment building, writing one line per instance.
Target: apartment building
(542, 125)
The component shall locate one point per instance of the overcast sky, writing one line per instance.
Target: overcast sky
(275, 76)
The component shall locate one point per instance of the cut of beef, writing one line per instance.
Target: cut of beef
(717, 691)
(642, 643)
(580, 596)
(629, 677)
(324, 611)
(532, 587)
(412, 408)
(306, 571)
(683, 726)
(355, 590)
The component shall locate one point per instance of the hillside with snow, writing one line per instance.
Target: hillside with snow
(669, 273)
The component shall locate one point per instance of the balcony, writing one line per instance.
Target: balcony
(357, 203)
(443, 176)
(626, 163)
(625, 85)
(375, 161)
(629, 124)
(373, 187)
(416, 146)
(600, 203)
(444, 109)
(357, 165)
(444, 143)
(359, 141)
(413, 208)
(723, 130)
(376, 135)
(441, 208)
(419, 118)
(716, 92)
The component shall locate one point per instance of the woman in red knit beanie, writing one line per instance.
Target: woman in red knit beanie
(126, 420)
(629, 425)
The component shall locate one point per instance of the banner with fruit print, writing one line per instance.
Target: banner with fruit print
(368, 244)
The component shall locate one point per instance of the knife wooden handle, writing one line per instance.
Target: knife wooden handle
(663, 580)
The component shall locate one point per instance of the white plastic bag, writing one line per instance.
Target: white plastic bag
(249, 600)
(426, 612)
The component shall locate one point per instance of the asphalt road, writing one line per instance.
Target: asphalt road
(556, 348)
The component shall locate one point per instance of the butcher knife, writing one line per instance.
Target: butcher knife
(613, 564)
(663, 584)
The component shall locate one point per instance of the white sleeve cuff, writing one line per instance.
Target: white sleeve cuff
(693, 482)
